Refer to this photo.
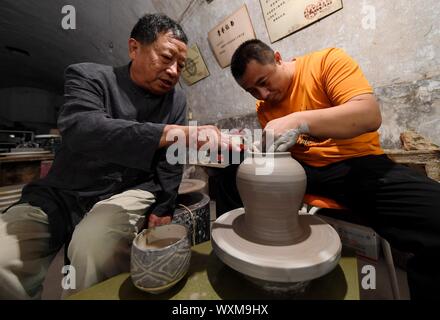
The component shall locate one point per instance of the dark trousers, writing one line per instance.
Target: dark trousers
(399, 203)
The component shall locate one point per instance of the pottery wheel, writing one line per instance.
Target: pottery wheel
(315, 255)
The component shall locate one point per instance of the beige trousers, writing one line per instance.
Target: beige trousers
(99, 249)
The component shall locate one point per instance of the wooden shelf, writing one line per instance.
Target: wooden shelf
(21, 169)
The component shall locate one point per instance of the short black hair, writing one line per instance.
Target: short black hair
(151, 25)
(250, 50)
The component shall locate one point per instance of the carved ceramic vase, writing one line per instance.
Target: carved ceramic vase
(160, 257)
(272, 187)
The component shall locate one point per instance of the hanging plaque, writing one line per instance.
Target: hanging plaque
(195, 67)
(227, 36)
(284, 17)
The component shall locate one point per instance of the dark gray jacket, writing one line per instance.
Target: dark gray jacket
(110, 135)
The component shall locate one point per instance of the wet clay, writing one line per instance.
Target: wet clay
(272, 197)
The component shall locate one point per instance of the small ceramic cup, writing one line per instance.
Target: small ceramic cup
(160, 257)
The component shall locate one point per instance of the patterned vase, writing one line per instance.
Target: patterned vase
(160, 257)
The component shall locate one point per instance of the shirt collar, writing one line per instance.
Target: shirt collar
(128, 82)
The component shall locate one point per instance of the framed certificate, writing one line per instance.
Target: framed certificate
(284, 17)
(195, 67)
(227, 36)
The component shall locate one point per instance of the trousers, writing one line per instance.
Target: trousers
(99, 248)
(401, 204)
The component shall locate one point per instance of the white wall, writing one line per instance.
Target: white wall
(404, 47)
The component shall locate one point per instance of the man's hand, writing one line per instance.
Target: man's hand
(222, 141)
(154, 221)
(283, 133)
(201, 135)
(285, 141)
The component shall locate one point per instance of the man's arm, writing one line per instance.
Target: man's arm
(87, 126)
(359, 115)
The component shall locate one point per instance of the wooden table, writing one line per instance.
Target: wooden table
(209, 279)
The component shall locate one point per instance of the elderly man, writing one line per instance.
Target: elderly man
(321, 108)
(111, 170)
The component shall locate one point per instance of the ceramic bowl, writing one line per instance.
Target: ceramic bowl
(160, 257)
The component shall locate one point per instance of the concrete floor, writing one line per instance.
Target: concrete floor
(52, 285)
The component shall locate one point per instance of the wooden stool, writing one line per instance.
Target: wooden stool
(315, 203)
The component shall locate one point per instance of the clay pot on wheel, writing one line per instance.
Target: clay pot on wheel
(268, 241)
(272, 188)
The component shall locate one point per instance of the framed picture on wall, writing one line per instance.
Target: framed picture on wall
(227, 36)
(195, 67)
(284, 17)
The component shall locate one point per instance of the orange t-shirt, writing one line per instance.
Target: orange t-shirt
(323, 79)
